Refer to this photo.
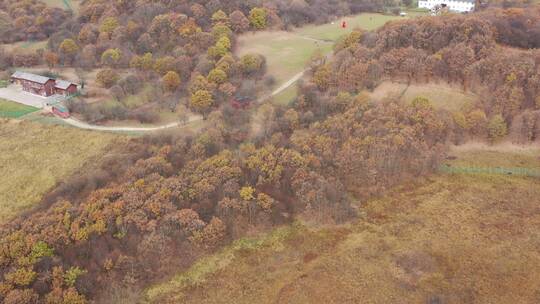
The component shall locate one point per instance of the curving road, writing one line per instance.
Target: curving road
(83, 125)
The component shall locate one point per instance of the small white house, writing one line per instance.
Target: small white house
(461, 6)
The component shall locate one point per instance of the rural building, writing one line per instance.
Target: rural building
(65, 88)
(461, 6)
(34, 84)
(43, 86)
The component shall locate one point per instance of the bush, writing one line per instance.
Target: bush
(497, 128)
(144, 116)
(107, 78)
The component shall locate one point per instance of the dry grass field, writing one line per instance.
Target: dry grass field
(34, 157)
(447, 239)
(442, 95)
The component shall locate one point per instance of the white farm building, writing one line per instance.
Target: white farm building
(461, 6)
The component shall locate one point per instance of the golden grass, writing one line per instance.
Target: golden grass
(34, 157)
(442, 95)
(455, 238)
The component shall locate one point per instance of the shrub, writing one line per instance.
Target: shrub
(497, 128)
(107, 78)
(257, 18)
(217, 76)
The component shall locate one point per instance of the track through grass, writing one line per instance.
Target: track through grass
(287, 53)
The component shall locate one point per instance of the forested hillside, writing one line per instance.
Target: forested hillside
(171, 198)
(175, 54)
(491, 53)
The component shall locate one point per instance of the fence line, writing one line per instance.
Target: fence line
(518, 171)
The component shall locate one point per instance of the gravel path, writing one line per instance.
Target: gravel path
(83, 125)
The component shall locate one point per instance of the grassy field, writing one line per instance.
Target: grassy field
(65, 4)
(288, 52)
(25, 45)
(446, 239)
(34, 157)
(441, 95)
(10, 109)
(333, 31)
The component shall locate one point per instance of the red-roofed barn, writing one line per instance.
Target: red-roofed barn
(44, 86)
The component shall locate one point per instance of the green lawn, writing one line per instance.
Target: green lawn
(287, 96)
(287, 53)
(64, 4)
(333, 31)
(10, 109)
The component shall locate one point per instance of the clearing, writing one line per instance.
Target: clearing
(441, 95)
(34, 157)
(447, 239)
(333, 31)
(10, 109)
(72, 5)
(288, 52)
(29, 46)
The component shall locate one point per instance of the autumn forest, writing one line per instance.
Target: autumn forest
(159, 202)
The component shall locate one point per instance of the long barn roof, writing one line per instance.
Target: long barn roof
(62, 84)
(31, 77)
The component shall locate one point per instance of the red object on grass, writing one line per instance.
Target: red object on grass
(241, 103)
(344, 24)
(64, 113)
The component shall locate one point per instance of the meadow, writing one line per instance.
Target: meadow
(65, 4)
(28, 46)
(10, 109)
(288, 52)
(441, 95)
(35, 157)
(444, 239)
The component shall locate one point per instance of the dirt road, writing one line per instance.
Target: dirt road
(83, 125)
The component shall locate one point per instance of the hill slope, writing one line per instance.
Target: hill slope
(34, 157)
(451, 239)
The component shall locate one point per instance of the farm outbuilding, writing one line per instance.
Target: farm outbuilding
(43, 86)
(65, 88)
(34, 84)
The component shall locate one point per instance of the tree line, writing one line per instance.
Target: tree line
(177, 54)
(179, 196)
(492, 53)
